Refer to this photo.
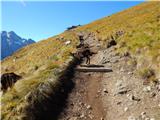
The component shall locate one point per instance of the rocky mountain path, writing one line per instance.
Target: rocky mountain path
(83, 103)
(117, 95)
(127, 98)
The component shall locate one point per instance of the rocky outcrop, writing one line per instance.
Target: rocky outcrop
(8, 80)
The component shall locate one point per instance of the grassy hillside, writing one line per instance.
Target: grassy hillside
(141, 25)
(39, 62)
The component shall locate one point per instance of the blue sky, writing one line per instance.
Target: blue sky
(40, 20)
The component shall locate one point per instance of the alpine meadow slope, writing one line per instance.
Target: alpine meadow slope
(44, 62)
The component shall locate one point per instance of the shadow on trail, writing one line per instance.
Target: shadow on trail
(49, 101)
(59, 99)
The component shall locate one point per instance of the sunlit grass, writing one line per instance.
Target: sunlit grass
(44, 60)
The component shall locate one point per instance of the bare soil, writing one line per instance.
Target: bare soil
(84, 102)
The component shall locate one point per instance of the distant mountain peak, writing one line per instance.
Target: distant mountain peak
(11, 32)
(3, 33)
(11, 42)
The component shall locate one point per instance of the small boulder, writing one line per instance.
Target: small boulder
(102, 118)
(152, 119)
(158, 87)
(147, 89)
(105, 61)
(152, 95)
(143, 115)
(130, 73)
(121, 88)
(135, 98)
(88, 107)
(125, 109)
(131, 118)
(8, 80)
(105, 90)
(82, 116)
(67, 42)
(118, 103)
(147, 118)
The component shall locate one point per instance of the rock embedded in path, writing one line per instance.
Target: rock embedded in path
(82, 116)
(105, 90)
(147, 118)
(143, 115)
(91, 116)
(152, 95)
(147, 89)
(132, 97)
(114, 59)
(125, 109)
(122, 91)
(121, 70)
(105, 60)
(135, 98)
(131, 118)
(98, 91)
(152, 119)
(119, 83)
(121, 88)
(158, 87)
(80, 103)
(130, 73)
(88, 107)
(102, 118)
(118, 103)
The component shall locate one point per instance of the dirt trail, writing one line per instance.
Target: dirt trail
(117, 95)
(84, 102)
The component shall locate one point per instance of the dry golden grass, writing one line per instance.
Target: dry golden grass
(141, 25)
(38, 62)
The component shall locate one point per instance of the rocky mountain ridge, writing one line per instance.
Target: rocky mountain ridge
(11, 42)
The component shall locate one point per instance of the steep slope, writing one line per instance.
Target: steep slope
(11, 42)
(141, 25)
(46, 60)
